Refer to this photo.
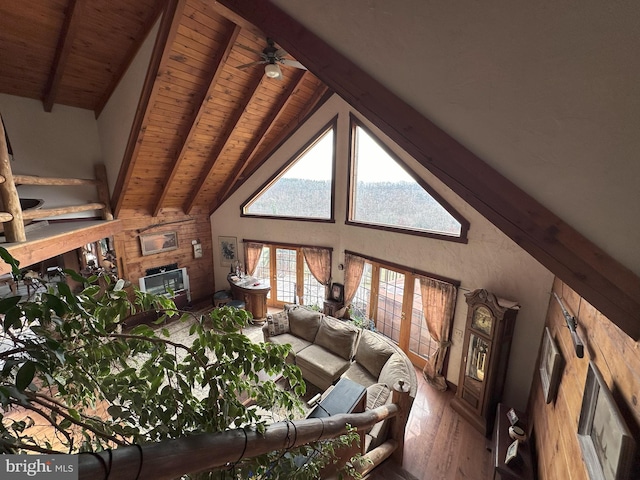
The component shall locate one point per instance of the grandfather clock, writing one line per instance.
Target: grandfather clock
(487, 343)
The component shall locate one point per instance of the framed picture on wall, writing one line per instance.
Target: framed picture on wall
(607, 445)
(158, 242)
(550, 365)
(228, 250)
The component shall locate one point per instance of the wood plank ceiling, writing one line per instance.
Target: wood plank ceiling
(202, 125)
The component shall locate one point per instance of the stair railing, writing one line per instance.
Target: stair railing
(11, 213)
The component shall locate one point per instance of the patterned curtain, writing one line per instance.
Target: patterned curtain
(252, 252)
(353, 268)
(319, 263)
(438, 304)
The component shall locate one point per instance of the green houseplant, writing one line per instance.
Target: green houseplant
(63, 355)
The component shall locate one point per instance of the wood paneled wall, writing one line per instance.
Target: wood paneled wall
(616, 355)
(133, 264)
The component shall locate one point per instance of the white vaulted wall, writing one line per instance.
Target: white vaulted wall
(489, 260)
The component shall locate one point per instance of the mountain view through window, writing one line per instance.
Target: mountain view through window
(385, 194)
(304, 189)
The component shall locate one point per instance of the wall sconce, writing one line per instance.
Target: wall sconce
(572, 324)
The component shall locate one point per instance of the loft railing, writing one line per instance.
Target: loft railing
(170, 459)
(11, 213)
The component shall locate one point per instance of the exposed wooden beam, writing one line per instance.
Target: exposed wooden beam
(204, 96)
(590, 271)
(67, 237)
(72, 22)
(167, 32)
(232, 16)
(321, 95)
(267, 124)
(130, 55)
(224, 138)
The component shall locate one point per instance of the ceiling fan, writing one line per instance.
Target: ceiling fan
(271, 57)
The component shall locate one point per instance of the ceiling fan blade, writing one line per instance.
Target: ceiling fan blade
(293, 63)
(281, 53)
(247, 65)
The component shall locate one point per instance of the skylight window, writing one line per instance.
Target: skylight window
(386, 194)
(303, 189)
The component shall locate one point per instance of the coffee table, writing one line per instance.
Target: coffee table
(346, 396)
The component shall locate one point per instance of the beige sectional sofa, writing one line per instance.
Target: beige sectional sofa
(326, 349)
(322, 347)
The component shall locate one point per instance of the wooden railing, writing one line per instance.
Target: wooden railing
(11, 213)
(170, 459)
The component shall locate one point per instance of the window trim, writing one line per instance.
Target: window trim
(355, 122)
(331, 125)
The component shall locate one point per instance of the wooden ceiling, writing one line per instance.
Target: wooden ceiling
(202, 125)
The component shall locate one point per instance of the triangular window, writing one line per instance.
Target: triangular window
(303, 189)
(386, 194)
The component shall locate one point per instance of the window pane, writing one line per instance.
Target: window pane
(304, 189)
(263, 270)
(420, 342)
(391, 291)
(286, 275)
(313, 290)
(385, 194)
(361, 300)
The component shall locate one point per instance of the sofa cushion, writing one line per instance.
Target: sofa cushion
(304, 323)
(373, 352)
(320, 366)
(359, 374)
(278, 323)
(377, 395)
(395, 369)
(337, 337)
(297, 344)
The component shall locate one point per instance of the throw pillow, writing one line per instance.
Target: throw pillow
(377, 395)
(278, 323)
(395, 369)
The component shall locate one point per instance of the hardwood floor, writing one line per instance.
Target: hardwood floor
(441, 445)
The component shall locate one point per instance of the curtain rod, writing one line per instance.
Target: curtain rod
(406, 269)
(281, 244)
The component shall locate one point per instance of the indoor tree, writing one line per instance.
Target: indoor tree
(67, 362)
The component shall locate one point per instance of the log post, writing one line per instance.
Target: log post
(13, 229)
(103, 191)
(398, 424)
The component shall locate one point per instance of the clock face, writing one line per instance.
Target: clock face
(482, 320)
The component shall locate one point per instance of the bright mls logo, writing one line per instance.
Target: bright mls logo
(51, 467)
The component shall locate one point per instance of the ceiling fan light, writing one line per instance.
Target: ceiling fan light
(271, 70)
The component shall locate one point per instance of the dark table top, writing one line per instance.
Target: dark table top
(344, 397)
